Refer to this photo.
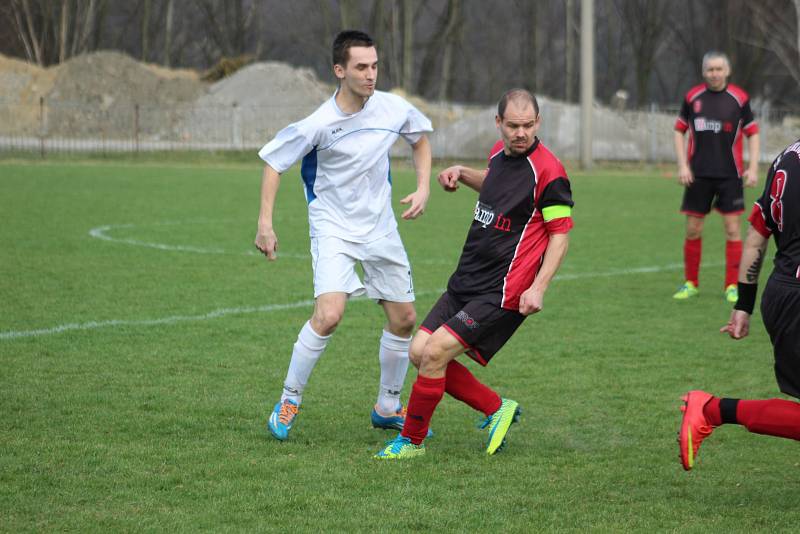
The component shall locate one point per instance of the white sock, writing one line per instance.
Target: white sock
(393, 356)
(307, 350)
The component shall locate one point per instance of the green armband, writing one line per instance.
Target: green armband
(556, 212)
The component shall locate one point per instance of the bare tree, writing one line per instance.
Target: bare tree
(50, 31)
(781, 21)
(644, 26)
(570, 30)
(409, 8)
(451, 38)
(229, 25)
(350, 14)
(168, 29)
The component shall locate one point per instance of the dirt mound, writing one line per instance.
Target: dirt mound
(254, 103)
(96, 95)
(21, 86)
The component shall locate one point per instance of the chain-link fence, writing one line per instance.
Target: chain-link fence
(461, 131)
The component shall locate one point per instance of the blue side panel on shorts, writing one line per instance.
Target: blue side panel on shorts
(390, 170)
(308, 170)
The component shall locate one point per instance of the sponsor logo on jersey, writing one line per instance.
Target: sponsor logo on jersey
(468, 321)
(503, 223)
(484, 214)
(697, 106)
(336, 130)
(701, 124)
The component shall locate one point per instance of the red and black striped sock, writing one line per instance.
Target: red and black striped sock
(462, 385)
(425, 396)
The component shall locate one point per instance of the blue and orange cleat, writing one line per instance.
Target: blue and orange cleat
(694, 426)
(400, 448)
(282, 418)
(499, 423)
(391, 422)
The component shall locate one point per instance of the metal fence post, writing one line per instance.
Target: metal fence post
(653, 138)
(41, 126)
(136, 128)
(236, 132)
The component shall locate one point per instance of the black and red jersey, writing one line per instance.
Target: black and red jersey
(523, 200)
(716, 121)
(777, 212)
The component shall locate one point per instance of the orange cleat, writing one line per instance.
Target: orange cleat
(694, 426)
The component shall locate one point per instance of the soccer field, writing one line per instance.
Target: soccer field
(143, 343)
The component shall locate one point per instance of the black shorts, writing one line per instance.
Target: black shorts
(780, 309)
(726, 195)
(480, 325)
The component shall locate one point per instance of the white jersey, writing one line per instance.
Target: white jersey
(346, 163)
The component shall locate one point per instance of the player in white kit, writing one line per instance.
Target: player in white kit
(345, 146)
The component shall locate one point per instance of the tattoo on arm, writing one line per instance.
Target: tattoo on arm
(755, 267)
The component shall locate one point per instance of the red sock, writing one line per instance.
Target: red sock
(462, 385)
(692, 249)
(733, 255)
(773, 417)
(425, 396)
(711, 411)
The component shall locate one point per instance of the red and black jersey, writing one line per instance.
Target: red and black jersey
(777, 212)
(523, 200)
(716, 121)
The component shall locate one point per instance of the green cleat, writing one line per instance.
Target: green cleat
(732, 293)
(400, 448)
(499, 423)
(686, 291)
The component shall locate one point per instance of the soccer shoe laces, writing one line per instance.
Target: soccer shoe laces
(486, 422)
(287, 413)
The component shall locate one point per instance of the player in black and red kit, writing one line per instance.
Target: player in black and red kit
(716, 114)
(514, 247)
(777, 214)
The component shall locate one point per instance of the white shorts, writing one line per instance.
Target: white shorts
(387, 273)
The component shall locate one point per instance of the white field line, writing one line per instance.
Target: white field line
(268, 308)
(102, 233)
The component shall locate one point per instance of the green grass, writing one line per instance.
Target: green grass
(148, 425)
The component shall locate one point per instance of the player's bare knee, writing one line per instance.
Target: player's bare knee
(694, 232)
(415, 355)
(733, 232)
(433, 357)
(326, 320)
(404, 324)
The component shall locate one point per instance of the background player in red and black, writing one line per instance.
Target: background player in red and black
(777, 214)
(514, 247)
(716, 114)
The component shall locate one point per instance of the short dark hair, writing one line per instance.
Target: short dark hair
(515, 95)
(345, 40)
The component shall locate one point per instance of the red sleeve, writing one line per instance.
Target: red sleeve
(682, 122)
(561, 225)
(498, 147)
(757, 221)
